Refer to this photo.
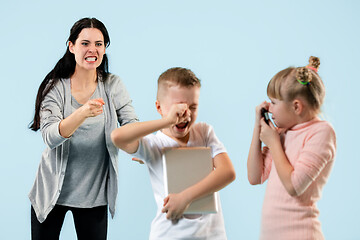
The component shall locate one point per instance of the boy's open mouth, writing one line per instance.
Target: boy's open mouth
(182, 125)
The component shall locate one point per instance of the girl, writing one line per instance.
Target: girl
(78, 104)
(298, 156)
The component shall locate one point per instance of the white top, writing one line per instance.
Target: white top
(206, 226)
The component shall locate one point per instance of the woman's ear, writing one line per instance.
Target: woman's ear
(298, 106)
(158, 107)
(71, 47)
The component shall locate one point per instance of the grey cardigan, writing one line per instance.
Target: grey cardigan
(57, 106)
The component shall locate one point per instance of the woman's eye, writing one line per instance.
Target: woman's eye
(99, 44)
(84, 43)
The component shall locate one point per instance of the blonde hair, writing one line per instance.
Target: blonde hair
(304, 82)
(177, 76)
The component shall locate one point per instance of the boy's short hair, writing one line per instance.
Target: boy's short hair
(177, 76)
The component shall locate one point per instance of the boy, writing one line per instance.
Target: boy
(177, 102)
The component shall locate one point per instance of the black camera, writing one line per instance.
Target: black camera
(265, 115)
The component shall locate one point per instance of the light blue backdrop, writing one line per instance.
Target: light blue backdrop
(235, 47)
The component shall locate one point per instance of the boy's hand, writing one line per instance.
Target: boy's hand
(137, 160)
(178, 113)
(174, 206)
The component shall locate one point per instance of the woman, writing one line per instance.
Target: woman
(78, 104)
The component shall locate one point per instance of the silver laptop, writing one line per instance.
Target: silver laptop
(185, 166)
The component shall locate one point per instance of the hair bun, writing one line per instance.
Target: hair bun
(314, 62)
(303, 75)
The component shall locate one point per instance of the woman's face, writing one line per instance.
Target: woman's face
(89, 49)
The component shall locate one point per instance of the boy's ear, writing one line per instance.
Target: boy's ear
(298, 106)
(158, 107)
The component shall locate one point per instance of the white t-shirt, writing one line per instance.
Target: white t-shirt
(206, 226)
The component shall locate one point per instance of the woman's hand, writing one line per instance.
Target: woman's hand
(93, 107)
(174, 206)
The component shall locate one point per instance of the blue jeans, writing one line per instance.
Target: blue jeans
(90, 223)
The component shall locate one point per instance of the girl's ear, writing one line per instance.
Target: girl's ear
(298, 106)
(158, 107)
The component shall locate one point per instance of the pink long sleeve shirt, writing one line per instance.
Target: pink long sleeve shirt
(310, 148)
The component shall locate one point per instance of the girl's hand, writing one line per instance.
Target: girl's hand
(174, 206)
(258, 111)
(268, 133)
(93, 107)
(178, 113)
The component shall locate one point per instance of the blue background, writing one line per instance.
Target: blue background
(235, 47)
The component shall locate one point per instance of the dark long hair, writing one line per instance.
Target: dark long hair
(65, 67)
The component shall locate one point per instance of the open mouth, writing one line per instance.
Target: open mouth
(182, 126)
(91, 59)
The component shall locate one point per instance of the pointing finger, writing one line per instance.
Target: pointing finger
(100, 100)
